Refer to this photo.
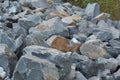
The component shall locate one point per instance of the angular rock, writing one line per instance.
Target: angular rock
(110, 63)
(8, 59)
(72, 30)
(30, 67)
(104, 35)
(92, 9)
(93, 49)
(81, 37)
(17, 30)
(84, 29)
(60, 59)
(79, 76)
(67, 20)
(63, 44)
(77, 58)
(32, 40)
(113, 51)
(26, 23)
(114, 43)
(5, 39)
(47, 28)
(58, 13)
(90, 68)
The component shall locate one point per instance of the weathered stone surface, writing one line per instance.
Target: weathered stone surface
(75, 17)
(58, 13)
(2, 73)
(92, 9)
(84, 29)
(72, 30)
(8, 59)
(67, 20)
(81, 37)
(94, 78)
(77, 58)
(47, 28)
(60, 59)
(13, 10)
(110, 63)
(32, 40)
(117, 75)
(89, 68)
(114, 43)
(93, 49)
(30, 67)
(79, 76)
(102, 16)
(104, 35)
(118, 59)
(63, 44)
(26, 23)
(35, 3)
(113, 51)
(5, 39)
(17, 30)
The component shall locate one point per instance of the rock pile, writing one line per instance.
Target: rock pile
(51, 40)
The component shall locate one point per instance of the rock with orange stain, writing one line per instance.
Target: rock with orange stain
(75, 17)
(63, 44)
(60, 13)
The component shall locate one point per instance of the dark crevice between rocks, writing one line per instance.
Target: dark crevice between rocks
(118, 67)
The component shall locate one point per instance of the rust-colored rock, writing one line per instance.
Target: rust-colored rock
(64, 44)
(58, 13)
(75, 17)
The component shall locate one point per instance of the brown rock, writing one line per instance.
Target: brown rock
(75, 17)
(64, 44)
(58, 13)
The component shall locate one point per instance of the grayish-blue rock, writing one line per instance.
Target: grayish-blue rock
(32, 40)
(89, 68)
(114, 43)
(36, 3)
(104, 35)
(8, 59)
(110, 63)
(5, 39)
(30, 67)
(92, 10)
(59, 58)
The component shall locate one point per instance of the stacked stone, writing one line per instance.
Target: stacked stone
(51, 40)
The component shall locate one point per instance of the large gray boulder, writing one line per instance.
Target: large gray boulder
(60, 59)
(30, 67)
